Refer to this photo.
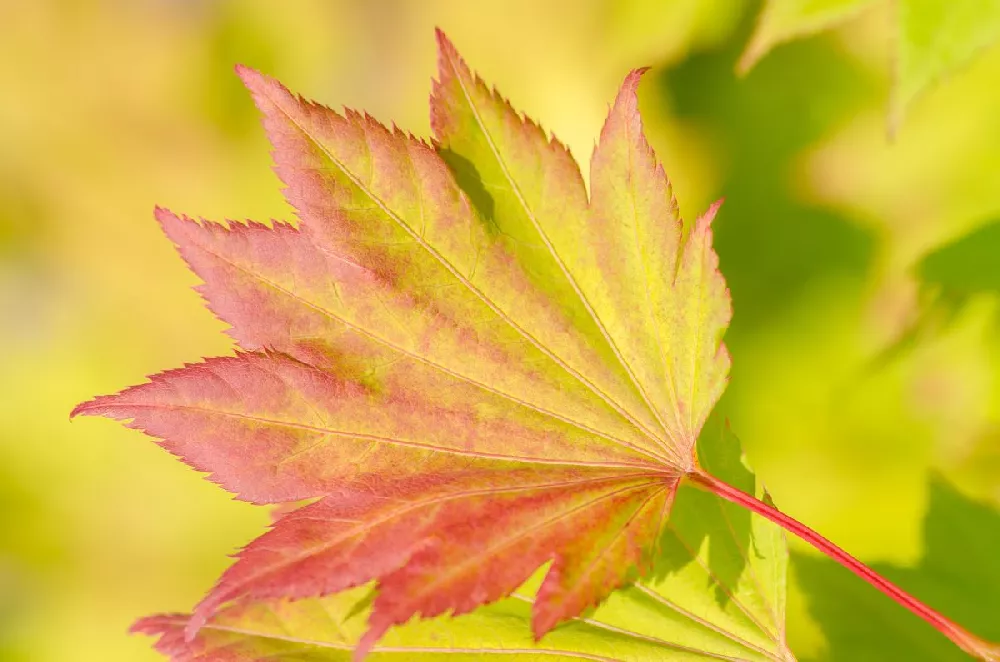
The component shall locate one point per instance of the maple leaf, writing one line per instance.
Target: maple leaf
(963, 267)
(466, 368)
(471, 396)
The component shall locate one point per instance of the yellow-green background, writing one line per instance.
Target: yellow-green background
(109, 107)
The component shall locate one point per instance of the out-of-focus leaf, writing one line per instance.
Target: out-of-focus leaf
(674, 616)
(775, 245)
(949, 276)
(935, 38)
(932, 38)
(959, 574)
(969, 265)
(784, 20)
(475, 370)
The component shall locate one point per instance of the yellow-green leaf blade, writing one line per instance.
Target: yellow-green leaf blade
(327, 630)
(393, 205)
(614, 264)
(530, 187)
(663, 297)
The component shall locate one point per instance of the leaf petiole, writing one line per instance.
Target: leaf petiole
(968, 642)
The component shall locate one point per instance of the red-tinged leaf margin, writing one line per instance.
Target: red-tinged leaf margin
(233, 468)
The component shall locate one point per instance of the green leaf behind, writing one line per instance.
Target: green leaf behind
(959, 574)
(931, 38)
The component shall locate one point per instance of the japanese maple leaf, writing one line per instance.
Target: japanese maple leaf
(475, 370)
(469, 368)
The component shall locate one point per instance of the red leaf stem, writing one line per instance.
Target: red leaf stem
(964, 639)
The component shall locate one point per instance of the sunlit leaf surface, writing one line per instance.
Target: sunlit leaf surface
(470, 368)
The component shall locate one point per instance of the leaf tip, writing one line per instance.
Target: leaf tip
(549, 609)
(166, 218)
(366, 644)
(248, 75)
(451, 68)
(83, 409)
(157, 624)
(177, 228)
(542, 623)
(625, 109)
(449, 59)
(706, 219)
(102, 405)
(266, 91)
(444, 44)
(629, 91)
(624, 114)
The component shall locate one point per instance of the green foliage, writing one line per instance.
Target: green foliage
(776, 247)
(966, 266)
(933, 38)
(784, 20)
(958, 572)
(949, 277)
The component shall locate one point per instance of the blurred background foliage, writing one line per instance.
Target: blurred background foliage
(865, 340)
